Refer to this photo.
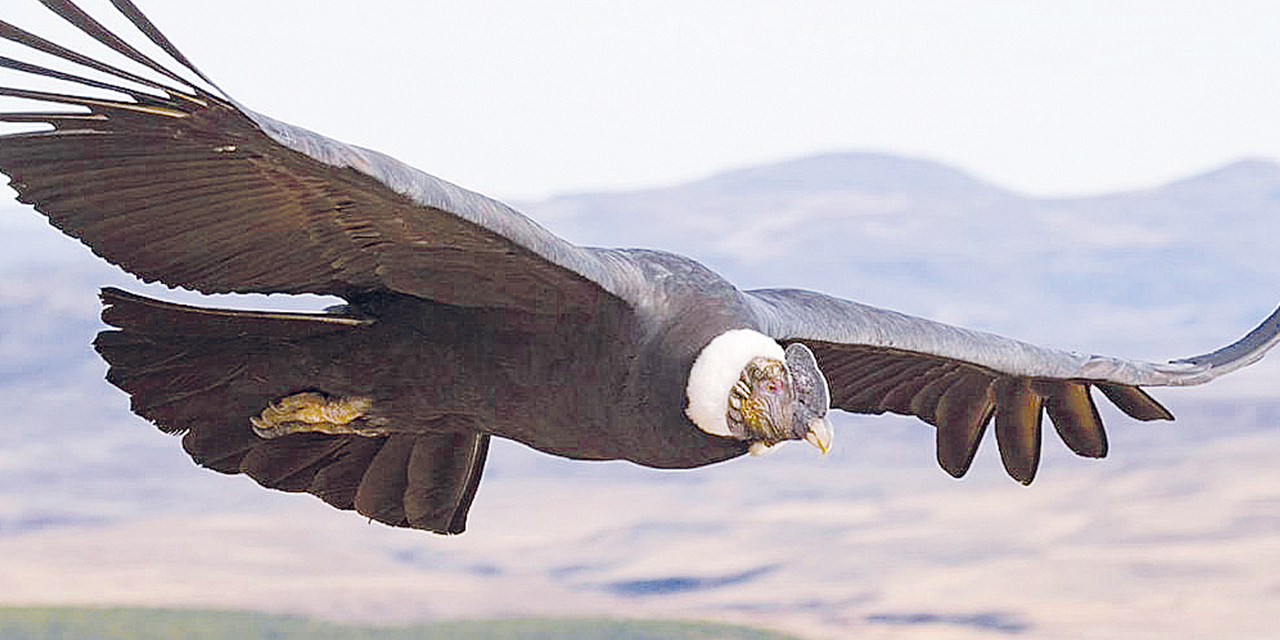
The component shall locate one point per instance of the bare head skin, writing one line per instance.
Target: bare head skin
(744, 385)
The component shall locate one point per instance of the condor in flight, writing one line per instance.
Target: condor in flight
(466, 320)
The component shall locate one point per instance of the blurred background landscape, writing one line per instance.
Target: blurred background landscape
(1175, 535)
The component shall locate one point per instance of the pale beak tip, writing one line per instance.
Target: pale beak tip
(820, 434)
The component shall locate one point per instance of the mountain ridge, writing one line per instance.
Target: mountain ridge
(847, 170)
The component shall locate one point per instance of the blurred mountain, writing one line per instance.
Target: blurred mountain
(1123, 271)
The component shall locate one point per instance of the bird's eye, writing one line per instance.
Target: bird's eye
(773, 386)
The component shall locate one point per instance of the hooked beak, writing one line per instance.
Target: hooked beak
(819, 434)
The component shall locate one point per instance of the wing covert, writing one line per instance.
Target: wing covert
(959, 380)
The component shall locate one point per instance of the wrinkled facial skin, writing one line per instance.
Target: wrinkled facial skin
(762, 403)
(775, 401)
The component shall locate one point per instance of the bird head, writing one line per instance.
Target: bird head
(744, 385)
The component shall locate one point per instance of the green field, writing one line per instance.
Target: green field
(30, 623)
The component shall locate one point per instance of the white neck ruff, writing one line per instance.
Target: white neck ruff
(717, 369)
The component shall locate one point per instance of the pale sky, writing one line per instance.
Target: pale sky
(523, 100)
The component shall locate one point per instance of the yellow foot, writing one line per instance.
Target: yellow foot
(312, 412)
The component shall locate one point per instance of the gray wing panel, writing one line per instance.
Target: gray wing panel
(796, 314)
(611, 270)
(960, 380)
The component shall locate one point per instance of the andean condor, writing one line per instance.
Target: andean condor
(466, 320)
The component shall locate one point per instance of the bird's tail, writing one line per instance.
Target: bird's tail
(224, 377)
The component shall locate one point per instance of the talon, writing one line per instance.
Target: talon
(314, 412)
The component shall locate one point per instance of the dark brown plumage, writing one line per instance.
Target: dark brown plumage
(466, 320)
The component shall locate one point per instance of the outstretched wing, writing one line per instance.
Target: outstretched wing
(180, 184)
(957, 380)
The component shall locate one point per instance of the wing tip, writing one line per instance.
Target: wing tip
(1134, 402)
